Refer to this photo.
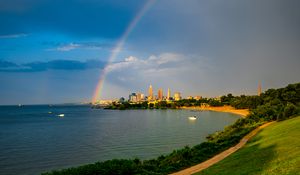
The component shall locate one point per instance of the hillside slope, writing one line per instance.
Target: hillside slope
(275, 150)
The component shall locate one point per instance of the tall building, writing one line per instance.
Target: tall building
(177, 96)
(143, 96)
(259, 89)
(133, 97)
(169, 94)
(160, 94)
(139, 97)
(150, 93)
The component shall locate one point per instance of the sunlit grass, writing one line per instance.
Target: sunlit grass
(275, 150)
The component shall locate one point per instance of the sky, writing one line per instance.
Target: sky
(54, 51)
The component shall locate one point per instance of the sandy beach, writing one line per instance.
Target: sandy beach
(230, 109)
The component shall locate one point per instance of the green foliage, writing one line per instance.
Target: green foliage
(246, 102)
(110, 167)
(289, 110)
(226, 100)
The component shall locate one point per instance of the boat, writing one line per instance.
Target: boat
(49, 112)
(192, 118)
(61, 115)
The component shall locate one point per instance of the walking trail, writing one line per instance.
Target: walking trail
(222, 155)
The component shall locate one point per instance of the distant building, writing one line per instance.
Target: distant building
(143, 97)
(106, 102)
(190, 98)
(140, 97)
(217, 98)
(122, 100)
(177, 96)
(133, 97)
(198, 97)
(160, 94)
(169, 94)
(150, 93)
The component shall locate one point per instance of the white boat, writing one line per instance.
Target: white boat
(61, 115)
(193, 118)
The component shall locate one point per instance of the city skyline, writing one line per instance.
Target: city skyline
(71, 51)
(139, 96)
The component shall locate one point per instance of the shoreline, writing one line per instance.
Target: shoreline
(242, 112)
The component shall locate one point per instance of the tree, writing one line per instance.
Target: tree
(289, 110)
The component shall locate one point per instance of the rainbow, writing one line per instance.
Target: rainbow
(118, 48)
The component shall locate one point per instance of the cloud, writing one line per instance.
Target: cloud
(159, 62)
(6, 66)
(79, 45)
(166, 58)
(180, 72)
(165, 66)
(19, 35)
(68, 47)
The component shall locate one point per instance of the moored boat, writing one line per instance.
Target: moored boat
(61, 115)
(192, 118)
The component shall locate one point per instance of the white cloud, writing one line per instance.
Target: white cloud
(166, 58)
(153, 62)
(161, 69)
(80, 45)
(68, 47)
(131, 59)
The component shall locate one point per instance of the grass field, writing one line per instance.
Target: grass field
(274, 150)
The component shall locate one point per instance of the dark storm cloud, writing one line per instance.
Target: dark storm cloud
(6, 66)
(256, 40)
(76, 17)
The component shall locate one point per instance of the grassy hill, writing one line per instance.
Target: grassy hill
(275, 150)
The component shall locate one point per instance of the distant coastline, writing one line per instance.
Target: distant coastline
(242, 112)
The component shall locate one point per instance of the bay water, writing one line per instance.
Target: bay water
(35, 139)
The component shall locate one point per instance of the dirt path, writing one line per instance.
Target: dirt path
(222, 155)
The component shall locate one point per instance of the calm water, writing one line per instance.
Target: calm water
(33, 141)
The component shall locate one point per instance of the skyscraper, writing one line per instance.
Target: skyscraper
(150, 92)
(160, 94)
(169, 94)
(139, 97)
(132, 97)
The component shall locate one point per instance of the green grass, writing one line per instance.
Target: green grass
(274, 150)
